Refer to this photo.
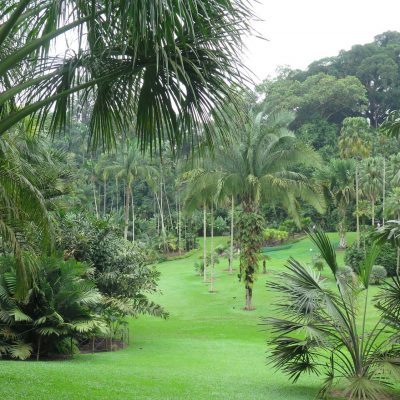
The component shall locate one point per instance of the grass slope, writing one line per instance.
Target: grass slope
(208, 349)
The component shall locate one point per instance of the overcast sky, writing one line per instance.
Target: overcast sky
(300, 32)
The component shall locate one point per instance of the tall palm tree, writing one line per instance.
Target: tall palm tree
(393, 210)
(371, 181)
(354, 143)
(337, 178)
(202, 191)
(128, 169)
(259, 165)
(167, 65)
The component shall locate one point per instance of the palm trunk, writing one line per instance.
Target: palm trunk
(398, 255)
(105, 197)
(95, 199)
(398, 262)
(212, 250)
(116, 184)
(357, 210)
(205, 242)
(161, 218)
(249, 298)
(133, 218)
(383, 191)
(232, 224)
(373, 213)
(169, 209)
(127, 201)
(179, 226)
(342, 229)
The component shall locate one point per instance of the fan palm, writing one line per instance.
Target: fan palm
(169, 66)
(323, 331)
(60, 305)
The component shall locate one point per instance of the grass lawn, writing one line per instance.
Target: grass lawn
(209, 348)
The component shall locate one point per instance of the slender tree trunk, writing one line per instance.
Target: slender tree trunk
(169, 208)
(116, 184)
(95, 199)
(357, 209)
(249, 297)
(232, 225)
(373, 212)
(205, 242)
(38, 348)
(160, 207)
(104, 197)
(212, 250)
(384, 191)
(179, 226)
(127, 202)
(398, 255)
(264, 266)
(133, 218)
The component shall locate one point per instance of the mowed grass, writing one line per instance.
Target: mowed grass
(209, 348)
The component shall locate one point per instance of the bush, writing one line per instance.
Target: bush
(220, 226)
(318, 262)
(346, 273)
(220, 249)
(272, 236)
(199, 267)
(387, 257)
(378, 274)
(120, 267)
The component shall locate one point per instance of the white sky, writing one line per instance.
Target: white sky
(301, 32)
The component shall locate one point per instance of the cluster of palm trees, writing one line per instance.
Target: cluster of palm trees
(370, 181)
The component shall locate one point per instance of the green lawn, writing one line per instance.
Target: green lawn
(209, 348)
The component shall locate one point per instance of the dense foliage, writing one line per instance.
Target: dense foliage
(319, 330)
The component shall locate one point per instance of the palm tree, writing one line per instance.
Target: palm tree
(202, 191)
(128, 169)
(258, 164)
(354, 143)
(393, 210)
(337, 178)
(169, 66)
(371, 181)
(31, 179)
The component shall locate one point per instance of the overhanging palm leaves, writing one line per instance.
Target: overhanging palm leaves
(170, 66)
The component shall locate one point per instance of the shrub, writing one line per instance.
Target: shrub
(120, 268)
(318, 262)
(272, 236)
(220, 226)
(387, 257)
(346, 273)
(220, 249)
(199, 267)
(378, 274)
